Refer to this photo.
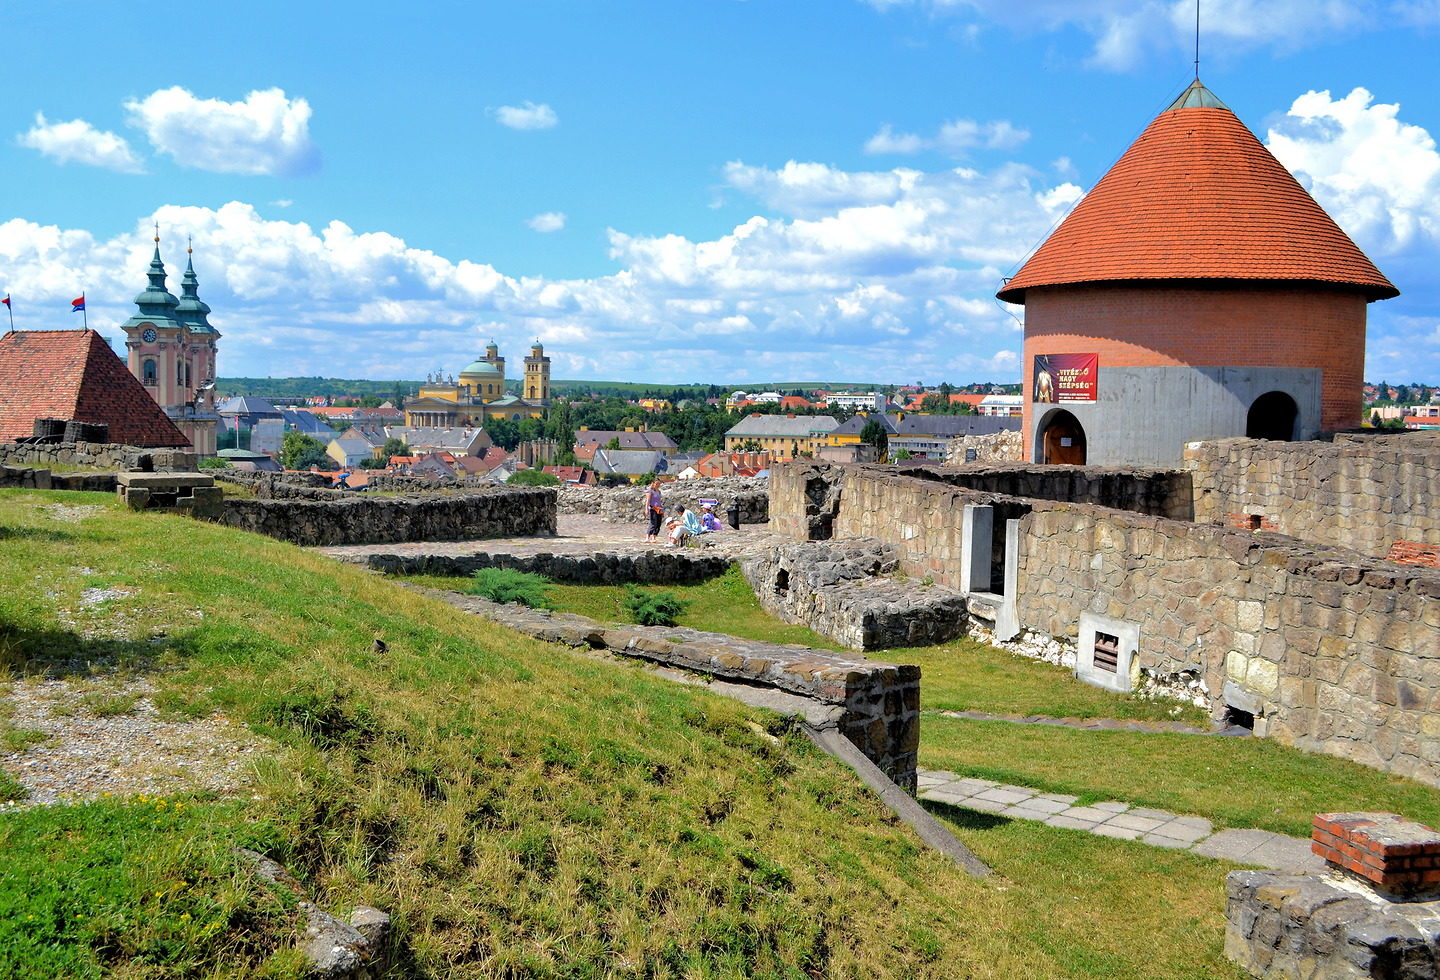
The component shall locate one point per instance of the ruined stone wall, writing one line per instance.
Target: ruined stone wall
(359, 519)
(96, 455)
(875, 705)
(1330, 650)
(31, 478)
(1165, 493)
(626, 505)
(1364, 494)
(658, 567)
(994, 447)
(845, 591)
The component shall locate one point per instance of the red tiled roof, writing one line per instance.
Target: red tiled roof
(73, 374)
(1197, 196)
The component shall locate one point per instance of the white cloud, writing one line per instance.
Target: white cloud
(283, 202)
(267, 133)
(548, 221)
(527, 116)
(896, 253)
(956, 137)
(77, 141)
(1377, 176)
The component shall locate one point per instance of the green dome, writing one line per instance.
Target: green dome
(481, 367)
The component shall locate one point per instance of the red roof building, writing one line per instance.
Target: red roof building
(1196, 292)
(73, 374)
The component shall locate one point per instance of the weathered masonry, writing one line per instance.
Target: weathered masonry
(1317, 646)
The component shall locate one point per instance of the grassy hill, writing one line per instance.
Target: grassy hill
(522, 810)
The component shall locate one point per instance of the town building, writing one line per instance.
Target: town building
(782, 436)
(479, 393)
(74, 375)
(641, 438)
(1196, 292)
(456, 440)
(870, 401)
(1002, 406)
(171, 350)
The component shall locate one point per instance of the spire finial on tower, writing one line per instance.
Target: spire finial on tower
(157, 233)
(189, 244)
(1197, 40)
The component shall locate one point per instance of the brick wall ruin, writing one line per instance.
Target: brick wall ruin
(1365, 493)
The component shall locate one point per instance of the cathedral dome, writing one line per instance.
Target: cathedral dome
(481, 368)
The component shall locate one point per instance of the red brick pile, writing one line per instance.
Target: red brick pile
(1396, 855)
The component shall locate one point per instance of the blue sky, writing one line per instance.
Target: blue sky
(674, 190)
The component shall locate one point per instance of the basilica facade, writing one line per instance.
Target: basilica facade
(479, 393)
(171, 349)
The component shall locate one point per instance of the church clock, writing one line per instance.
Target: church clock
(148, 336)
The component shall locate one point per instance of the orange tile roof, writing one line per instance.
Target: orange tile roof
(73, 374)
(1197, 196)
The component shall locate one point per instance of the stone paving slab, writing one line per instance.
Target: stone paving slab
(1121, 821)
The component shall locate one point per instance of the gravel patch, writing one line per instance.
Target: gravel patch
(85, 757)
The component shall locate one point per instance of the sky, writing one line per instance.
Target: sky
(670, 191)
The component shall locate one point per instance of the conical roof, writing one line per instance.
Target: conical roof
(1198, 196)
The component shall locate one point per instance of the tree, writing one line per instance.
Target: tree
(393, 447)
(300, 452)
(614, 443)
(874, 435)
(533, 478)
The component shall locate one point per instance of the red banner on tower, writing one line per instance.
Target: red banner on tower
(1065, 378)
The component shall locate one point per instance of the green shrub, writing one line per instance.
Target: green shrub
(533, 478)
(508, 585)
(213, 463)
(654, 608)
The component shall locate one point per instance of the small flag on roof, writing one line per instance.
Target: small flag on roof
(77, 304)
(6, 300)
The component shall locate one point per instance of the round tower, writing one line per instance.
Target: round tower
(1196, 292)
(537, 375)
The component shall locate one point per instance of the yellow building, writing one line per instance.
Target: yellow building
(782, 436)
(479, 393)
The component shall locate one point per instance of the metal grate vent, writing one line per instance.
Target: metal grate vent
(1107, 652)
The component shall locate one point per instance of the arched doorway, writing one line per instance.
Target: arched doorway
(1062, 439)
(1272, 416)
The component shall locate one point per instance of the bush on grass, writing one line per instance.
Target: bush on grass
(508, 585)
(654, 608)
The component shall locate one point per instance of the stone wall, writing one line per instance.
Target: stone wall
(657, 567)
(626, 505)
(360, 519)
(1364, 493)
(875, 705)
(31, 478)
(96, 455)
(994, 447)
(1327, 649)
(1164, 493)
(845, 590)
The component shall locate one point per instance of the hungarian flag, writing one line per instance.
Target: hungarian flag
(76, 305)
(6, 300)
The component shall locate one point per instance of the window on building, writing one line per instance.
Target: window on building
(147, 371)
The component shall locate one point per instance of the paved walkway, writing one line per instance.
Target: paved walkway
(1262, 848)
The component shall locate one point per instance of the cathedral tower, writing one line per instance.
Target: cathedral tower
(537, 375)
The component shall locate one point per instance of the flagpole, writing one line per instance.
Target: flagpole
(11, 310)
(84, 313)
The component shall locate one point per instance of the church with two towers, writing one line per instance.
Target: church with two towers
(171, 350)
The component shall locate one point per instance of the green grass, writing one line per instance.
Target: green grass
(77, 881)
(1235, 782)
(965, 675)
(527, 811)
(522, 810)
(722, 605)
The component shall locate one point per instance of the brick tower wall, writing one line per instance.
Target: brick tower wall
(1163, 325)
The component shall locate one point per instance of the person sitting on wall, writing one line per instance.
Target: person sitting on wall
(708, 520)
(676, 532)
